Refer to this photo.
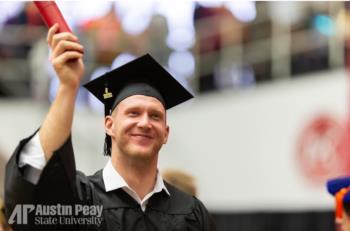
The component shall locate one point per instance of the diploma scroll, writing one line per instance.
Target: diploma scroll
(51, 14)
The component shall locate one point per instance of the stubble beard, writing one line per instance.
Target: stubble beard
(135, 152)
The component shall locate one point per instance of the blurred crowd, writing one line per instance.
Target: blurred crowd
(221, 45)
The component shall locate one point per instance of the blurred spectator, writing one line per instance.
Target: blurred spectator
(20, 31)
(157, 33)
(17, 37)
(257, 47)
(39, 78)
(343, 22)
(105, 35)
(216, 29)
(310, 50)
(207, 24)
(181, 180)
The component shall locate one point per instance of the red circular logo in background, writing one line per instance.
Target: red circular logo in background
(323, 149)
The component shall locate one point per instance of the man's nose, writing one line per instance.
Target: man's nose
(144, 121)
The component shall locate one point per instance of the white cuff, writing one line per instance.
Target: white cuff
(33, 154)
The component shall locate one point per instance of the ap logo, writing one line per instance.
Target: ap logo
(20, 214)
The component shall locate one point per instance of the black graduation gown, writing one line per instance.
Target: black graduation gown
(61, 184)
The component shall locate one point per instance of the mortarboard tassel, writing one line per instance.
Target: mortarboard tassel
(107, 146)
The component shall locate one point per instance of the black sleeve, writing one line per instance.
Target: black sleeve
(57, 183)
(203, 217)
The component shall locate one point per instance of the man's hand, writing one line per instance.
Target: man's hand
(66, 57)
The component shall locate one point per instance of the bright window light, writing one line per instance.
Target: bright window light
(182, 63)
(244, 11)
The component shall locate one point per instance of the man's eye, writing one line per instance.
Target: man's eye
(155, 116)
(133, 113)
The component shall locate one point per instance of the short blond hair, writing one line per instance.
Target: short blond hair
(181, 180)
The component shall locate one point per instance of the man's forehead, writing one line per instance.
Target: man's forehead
(141, 101)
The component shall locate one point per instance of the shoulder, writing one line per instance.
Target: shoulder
(177, 194)
(88, 185)
(190, 206)
(94, 180)
(182, 202)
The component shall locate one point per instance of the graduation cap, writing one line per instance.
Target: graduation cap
(142, 76)
(340, 189)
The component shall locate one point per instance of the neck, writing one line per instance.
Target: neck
(139, 174)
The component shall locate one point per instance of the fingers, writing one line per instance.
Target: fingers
(65, 57)
(53, 39)
(51, 33)
(63, 43)
(65, 36)
(64, 46)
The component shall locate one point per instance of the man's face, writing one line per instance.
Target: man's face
(138, 126)
(345, 224)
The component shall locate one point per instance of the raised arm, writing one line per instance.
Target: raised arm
(66, 58)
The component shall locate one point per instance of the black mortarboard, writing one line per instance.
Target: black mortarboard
(142, 76)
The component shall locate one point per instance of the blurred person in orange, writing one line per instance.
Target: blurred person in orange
(105, 35)
(340, 189)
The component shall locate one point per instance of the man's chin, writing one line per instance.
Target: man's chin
(142, 153)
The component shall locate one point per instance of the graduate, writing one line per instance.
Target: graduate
(129, 188)
(340, 189)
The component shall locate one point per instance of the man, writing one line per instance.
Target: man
(130, 189)
(340, 189)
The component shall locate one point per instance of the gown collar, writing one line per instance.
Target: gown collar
(113, 181)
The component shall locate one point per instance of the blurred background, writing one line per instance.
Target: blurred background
(270, 122)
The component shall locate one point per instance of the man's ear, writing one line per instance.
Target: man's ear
(166, 135)
(109, 125)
